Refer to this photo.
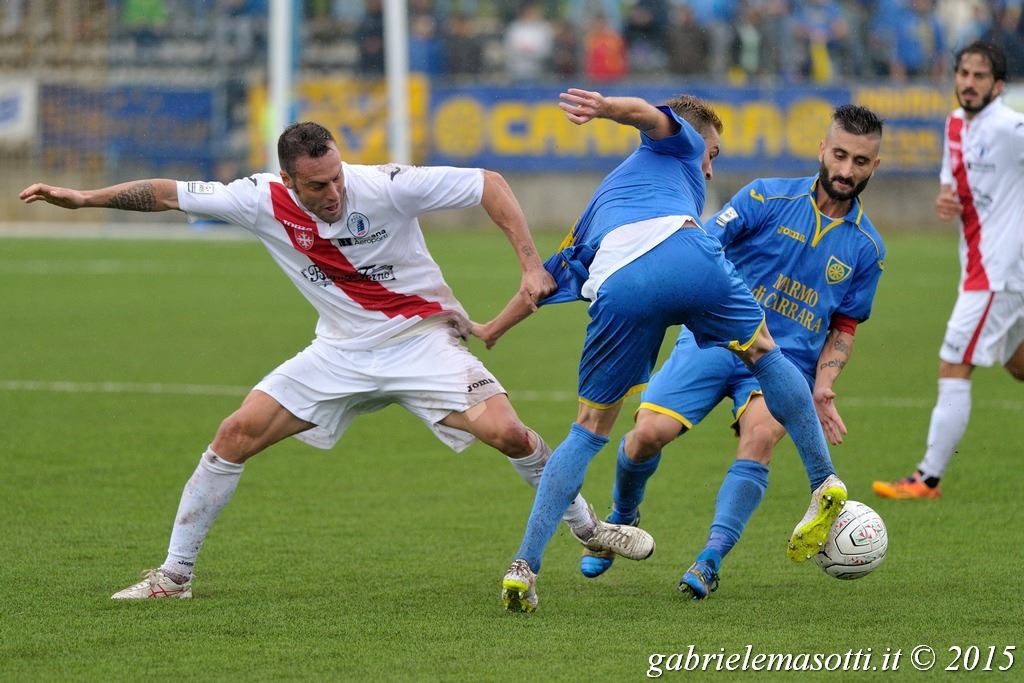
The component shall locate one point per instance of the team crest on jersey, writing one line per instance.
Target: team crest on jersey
(836, 271)
(358, 224)
(303, 236)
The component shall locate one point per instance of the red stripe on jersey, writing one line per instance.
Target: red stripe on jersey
(371, 295)
(977, 278)
(969, 353)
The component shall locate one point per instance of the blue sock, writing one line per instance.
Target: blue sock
(630, 484)
(741, 493)
(561, 481)
(789, 401)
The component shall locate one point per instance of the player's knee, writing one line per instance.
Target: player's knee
(757, 442)
(647, 439)
(510, 437)
(237, 438)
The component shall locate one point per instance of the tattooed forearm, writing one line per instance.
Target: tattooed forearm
(841, 346)
(834, 363)
(137, 197)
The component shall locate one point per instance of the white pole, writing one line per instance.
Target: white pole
(396, 64)
(279, 71)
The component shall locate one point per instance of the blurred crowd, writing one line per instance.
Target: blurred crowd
(787, 41)
(740, 40)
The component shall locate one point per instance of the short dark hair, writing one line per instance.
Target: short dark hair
(993, 53)
(696, 112)
(857, 120)
(307, 139)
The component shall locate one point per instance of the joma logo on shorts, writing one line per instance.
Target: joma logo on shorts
(477, 385)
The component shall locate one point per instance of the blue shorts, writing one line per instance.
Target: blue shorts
(684, 280)
(694, 380)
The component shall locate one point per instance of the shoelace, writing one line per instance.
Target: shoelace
(613, 535)
(708, 576)
(522, 569)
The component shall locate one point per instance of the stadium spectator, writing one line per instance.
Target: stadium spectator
(920, 48)
(1005, 34)
(747, 43)
(604, 53)
(388, 333)
(145, 21)
(981, 180)
(644, 33)
(529, 42)
(775, 26)
(693, 380)
(370, 38)
(565, 61)
(582, 12)
(462, 45)
(13, 17)
(426, 49)
(715, 18)
(963, 21)
(821, 31)
(688, 49)
(640, 257)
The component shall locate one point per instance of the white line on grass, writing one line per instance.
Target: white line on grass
(14, 385)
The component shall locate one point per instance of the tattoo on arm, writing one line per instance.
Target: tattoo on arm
(834, 363)
(137, 197)
(841, 346)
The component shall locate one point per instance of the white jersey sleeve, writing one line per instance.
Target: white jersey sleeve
(236, 202)
(417, 190)
(946, 171)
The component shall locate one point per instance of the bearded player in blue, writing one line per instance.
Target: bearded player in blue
(813, 260)
(640, 256)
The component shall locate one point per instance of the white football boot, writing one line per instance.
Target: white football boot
(810, 534)
(630, 542)
(155, 584)
(519, 588)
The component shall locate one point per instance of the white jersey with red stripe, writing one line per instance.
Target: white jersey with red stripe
(983, 160)
(370, 275)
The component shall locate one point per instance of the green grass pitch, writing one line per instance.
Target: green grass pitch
(382, 559)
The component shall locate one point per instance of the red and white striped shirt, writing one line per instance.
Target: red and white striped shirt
(983, 160)
(370, 275)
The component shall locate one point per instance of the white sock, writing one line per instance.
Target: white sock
(206, 493)
(949, 423)
(530, 468)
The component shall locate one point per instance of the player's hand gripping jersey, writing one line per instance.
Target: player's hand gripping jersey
(802, 267)
(983, 159)
(369, 276)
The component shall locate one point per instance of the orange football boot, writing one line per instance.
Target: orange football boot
(910, 488)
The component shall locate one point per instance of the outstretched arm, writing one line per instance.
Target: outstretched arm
(581, 106)
(536, 283)
(834, 357)
(156, 194)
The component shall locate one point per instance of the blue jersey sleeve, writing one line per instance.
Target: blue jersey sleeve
(744, 212)
(685, 144)
(857, 301)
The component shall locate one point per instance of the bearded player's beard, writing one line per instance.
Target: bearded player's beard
(974, 109)
(826, 183)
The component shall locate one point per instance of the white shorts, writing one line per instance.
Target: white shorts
(431, 375)
(984, 329)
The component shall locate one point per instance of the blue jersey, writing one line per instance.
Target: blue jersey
(802, 266)
(660, 178)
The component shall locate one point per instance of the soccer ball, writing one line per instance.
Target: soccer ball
(856, 544)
